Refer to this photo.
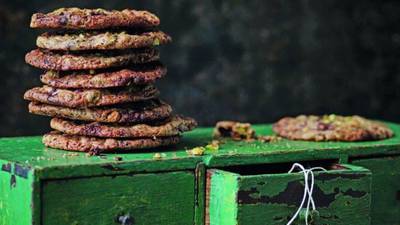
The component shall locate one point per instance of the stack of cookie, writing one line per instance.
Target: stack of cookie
(100, 67)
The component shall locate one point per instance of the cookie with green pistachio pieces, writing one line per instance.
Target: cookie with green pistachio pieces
(93, 144)
(138, 112)
(50, 60)
(170, 127)
(82, 98)
(132, 75)
(88, 19)
(331, 128)
(101, 40)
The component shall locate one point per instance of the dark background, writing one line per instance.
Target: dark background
(252, 61)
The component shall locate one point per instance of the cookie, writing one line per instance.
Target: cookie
(93, 144)
(76, 18)
(171, 127)
(134, 75)
(331, 128)
(101, 41)
(81, 98)
(48, 60)
(127, 113)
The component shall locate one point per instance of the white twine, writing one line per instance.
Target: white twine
(308, 190)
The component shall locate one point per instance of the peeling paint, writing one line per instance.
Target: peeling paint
(332, 176)
(354, 193)
(112, 167)
(290, 196)
(21, 171)
(6, 167)
(13, 181)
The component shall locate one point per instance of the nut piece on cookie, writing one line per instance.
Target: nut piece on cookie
(235, 130)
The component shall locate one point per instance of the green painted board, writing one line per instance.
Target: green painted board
(143, 198)
(342, 197)
(385, 188)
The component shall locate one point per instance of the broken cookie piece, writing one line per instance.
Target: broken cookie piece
(235, 130)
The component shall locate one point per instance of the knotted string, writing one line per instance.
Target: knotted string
(308, 190)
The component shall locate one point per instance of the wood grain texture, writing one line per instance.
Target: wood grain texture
(342, 197)
(385, 204)
(159, 198)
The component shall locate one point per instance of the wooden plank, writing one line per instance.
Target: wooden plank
(221, 197)
(155, 198)
(385, 188)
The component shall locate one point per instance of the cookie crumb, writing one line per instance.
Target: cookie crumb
(269, 138)
(196, 151)
(159, 156)
(213, 146)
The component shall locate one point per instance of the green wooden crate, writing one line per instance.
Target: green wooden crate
(46, 186)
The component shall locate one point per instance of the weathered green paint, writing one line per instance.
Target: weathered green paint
(15, 194)
(221, 197)
(146, 198)
(46, 164)
(385, 188)
(342, 197)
